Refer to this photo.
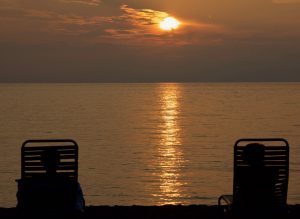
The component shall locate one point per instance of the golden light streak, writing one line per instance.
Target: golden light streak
(170, 146)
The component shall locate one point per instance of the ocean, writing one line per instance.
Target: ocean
(149, 144)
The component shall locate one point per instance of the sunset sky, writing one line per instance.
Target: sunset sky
(122, 41)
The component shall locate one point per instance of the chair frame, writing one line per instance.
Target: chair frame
(282, 164)
(33, 174)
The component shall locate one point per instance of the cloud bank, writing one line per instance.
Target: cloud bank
(85, 2)
(286, 1)
(120, 41)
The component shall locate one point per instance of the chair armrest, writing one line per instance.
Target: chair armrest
(225, 200)
(225, 204)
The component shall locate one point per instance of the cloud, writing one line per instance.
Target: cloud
(131, 27)
(9, 12)
(142, 26)
(85, 2)
(286, 1)
(40, 26)
(139, 25)
(143, 16)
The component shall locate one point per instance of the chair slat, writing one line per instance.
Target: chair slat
(64, 147)
(267, 153)
(40, 175)
(268, 148)
(37, 152)
(38, 157)
(69, 167)
(266, 163)
(41, 164)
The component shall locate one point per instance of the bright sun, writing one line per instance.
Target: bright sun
(169, 23)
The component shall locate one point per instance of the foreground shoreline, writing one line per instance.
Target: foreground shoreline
(139, 212)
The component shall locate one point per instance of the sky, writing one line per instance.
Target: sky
(121, 41)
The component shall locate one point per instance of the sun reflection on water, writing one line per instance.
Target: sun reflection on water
(170, 153)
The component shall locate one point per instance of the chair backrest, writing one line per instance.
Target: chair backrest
(276, 158)
(32, 164)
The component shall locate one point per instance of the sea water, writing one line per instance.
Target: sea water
(149, 144)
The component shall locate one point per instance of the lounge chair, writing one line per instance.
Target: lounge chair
(49, 176)
(260, 180)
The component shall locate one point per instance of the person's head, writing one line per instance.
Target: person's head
(254, 154)
(50, 160)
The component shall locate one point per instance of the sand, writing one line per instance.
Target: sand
(136, 212)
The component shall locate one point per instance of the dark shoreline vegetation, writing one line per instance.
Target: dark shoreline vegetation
(137, 212)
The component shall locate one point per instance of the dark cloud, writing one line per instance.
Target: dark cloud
(286, 1)
(84, 2)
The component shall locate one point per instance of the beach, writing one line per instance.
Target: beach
(138, 212)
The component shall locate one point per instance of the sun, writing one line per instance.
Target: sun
(169, 23)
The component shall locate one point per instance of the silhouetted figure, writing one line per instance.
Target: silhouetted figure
(50, 160)
(256, 182)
